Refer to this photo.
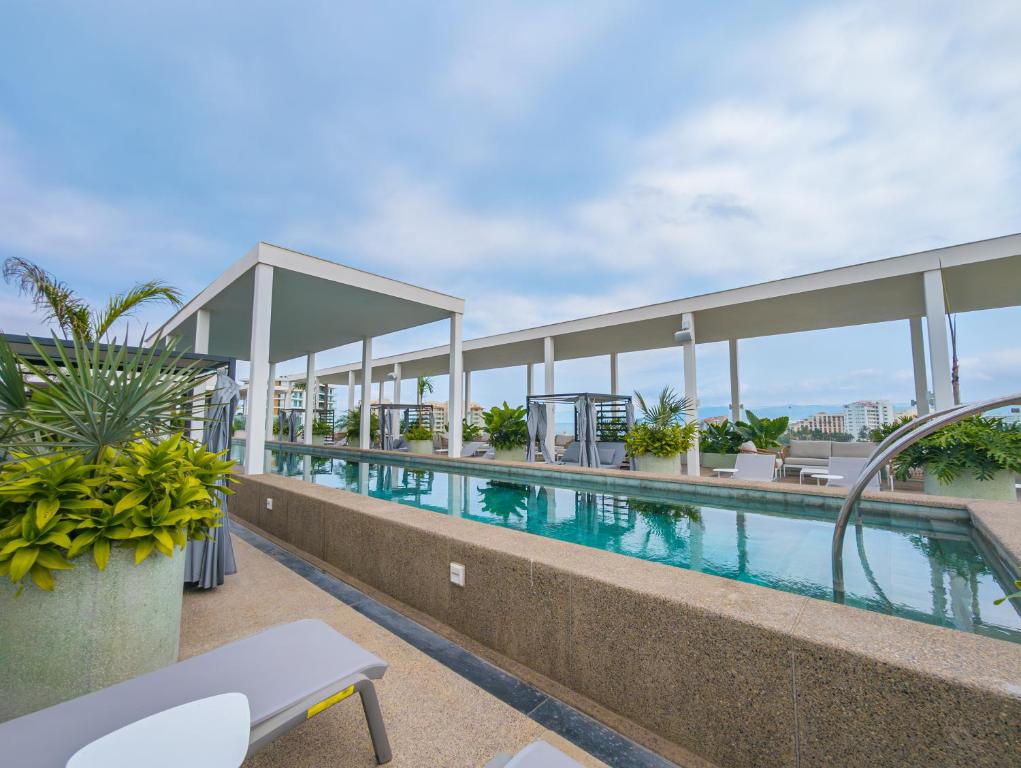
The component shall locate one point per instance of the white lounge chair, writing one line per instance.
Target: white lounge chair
(849, 470)
(759, 467)
(289, 673)
(538, 754)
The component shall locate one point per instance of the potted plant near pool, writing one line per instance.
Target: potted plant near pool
(977, 458)
(420, 439)
(508, 431)
(762, 432)
(321, 429)
(99, 495)
(719, 444)
(659, 438)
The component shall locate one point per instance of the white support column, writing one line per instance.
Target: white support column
(454, 396)
(467, 393)
(364, 435)
(549, 383)
(691, 389)
(350, 391)
(529, 373)
(918, 364)
(201, 347)
(735, 384)
(397, 383)
(614, 385)
(939, 347)
(311, 395)
(259, 373)
(382, 391)
(271, 392)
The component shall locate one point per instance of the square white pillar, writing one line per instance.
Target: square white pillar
(528, 384)
(382, 391)
(467, 393)
(735, 383)
(397, 383)
(614, 384)
(350, 391)
(939, 346)
(271, 397)
(201, 347)
(918, 365)
(311, 395)
(691, 389)
(548, 363)
(455, 395)
(364, 435)
(259, 373)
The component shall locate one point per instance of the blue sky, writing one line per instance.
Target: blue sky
(544, 161)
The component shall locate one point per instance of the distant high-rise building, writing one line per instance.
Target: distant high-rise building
(827, 423)
(867, 415)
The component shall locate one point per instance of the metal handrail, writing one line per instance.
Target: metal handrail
(894, 444)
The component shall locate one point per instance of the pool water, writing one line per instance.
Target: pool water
(935, 573)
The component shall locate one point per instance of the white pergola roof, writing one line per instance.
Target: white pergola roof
(316, 305)
(980, 275)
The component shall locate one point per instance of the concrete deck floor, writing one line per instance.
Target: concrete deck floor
(434, 716)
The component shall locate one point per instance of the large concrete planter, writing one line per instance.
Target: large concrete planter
(509, 454)
(718, 460)
(662, 465)
(420, 446)
(95, 629)
(999, 488)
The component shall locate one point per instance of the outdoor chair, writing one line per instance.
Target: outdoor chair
(759, 467)
(289, 674)
(572, 454)
(469, 450)
(611, 455)
(538, 754)
(849, 470)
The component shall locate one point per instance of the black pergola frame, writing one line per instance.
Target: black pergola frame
(615, 402)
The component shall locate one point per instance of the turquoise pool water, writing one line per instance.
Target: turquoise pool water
(900, 566)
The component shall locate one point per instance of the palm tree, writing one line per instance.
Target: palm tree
(425, 385)
(74, 317)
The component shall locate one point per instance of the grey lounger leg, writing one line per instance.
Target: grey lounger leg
(374, 717)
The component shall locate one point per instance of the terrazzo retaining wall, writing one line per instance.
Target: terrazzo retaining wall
(739, 674)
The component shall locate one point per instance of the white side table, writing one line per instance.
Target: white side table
(725, 472)
(827, 477)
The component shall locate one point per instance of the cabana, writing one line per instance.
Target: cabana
(391, 417)
(597, 418)
(291, 421)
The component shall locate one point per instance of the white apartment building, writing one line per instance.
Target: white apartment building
(867, 414)
(827, 423)
(441, 422)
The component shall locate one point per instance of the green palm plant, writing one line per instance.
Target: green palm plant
(74, 317)
(425, 386)
(669, 408)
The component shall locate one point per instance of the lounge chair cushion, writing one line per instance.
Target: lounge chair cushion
(800, 461)
(275, 669)
(610, 454)
(572, 454)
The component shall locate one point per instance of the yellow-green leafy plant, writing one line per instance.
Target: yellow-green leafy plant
(660, 431)
(149, 496)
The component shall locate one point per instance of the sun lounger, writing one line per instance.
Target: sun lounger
(538, 754)
(755, 466)
(289, 674)
(849, 469)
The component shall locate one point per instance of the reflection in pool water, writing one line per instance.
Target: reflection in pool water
(905, 567)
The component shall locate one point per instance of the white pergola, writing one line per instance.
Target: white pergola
(276, 304)
(919, 287)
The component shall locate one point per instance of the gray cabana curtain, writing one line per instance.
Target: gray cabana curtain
(592, 433)
(630, 410)
(386, 440)
(292, 426)
(585, 421)
(207, 562)
(282, 425)
(537, 428)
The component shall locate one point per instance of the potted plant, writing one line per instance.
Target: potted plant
(353, 426)
(764, 433)
(321, 429)
(508, 431)
(420, 439)
(98, 498)
(659, 438)
(976, 458)
(470, 433)
(718, 444)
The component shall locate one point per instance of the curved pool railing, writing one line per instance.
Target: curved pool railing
(886, 451)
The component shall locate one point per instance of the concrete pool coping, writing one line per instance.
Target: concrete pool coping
(733, 672)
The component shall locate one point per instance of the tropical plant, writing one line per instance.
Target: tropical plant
(506, 426)
(978, 446)
(353, 425)
(424, 386)
(418, 432)
(611, 430)
(880, 433)
(719, 437)
(74, 317)
(660, 430)
(470, 432)
(322, 427)
(503, 498)
(763, 432)
(1011, 596)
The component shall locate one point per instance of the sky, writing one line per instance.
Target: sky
(544, 161)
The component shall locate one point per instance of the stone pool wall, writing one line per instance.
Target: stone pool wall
(737, 674)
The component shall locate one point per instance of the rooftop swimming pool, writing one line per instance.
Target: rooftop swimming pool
(935, 572)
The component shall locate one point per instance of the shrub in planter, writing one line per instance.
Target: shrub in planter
(719, 444)
(508, 431)
(763, 432)
(97, 501)
(353, 426)
(470, 433)
(974, 458)
(420, 439)
(659, 438)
